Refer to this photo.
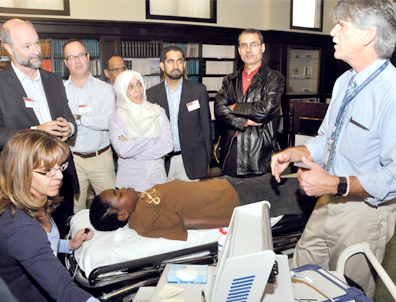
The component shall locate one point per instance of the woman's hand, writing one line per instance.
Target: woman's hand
(122, 138)
(79, 238)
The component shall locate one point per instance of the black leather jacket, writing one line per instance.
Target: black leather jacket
(261, 104)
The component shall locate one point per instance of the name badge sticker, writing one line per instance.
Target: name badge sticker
(193, 106)
(29, 103)
(84, 108)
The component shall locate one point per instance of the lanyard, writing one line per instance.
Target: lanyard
(355, 92)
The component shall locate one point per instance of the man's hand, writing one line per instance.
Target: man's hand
(279, 162)
(65, 129)
(122, 138)
(316, 181)
(59, 128)
(252, 123)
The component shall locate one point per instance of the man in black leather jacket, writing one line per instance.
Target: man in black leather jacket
(247, 109)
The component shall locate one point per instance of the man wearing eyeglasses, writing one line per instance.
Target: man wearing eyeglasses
(113, 66)
(91, 101)
(31, 97)
(247, 109)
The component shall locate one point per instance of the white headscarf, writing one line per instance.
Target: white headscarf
(139, 120)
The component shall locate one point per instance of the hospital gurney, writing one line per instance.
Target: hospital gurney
(118, 262)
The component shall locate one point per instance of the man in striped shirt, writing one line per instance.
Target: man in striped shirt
(91, 101)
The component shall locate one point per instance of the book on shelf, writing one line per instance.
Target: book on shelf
(191, 50)
(219, 67)
(46, 64)
(92, 46)
(60, 68)
(45, 48)
(4, 64)
(193, 78)
(140, 49)
(218, 51)
(58, 47)
(192, 67)
(149, 66)
(212, 83)
(94, 67)
(150, 81)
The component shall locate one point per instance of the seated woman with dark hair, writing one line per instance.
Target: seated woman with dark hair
(31, 168)
(169, 210)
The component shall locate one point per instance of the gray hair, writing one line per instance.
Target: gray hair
(5, 34)
(377, 15)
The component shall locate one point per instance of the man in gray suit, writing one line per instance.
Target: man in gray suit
(187, 106)
(34, 98)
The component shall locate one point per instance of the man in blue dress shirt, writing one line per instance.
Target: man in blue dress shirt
(352, 160)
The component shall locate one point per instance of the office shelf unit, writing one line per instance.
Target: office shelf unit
(143, 57)
(218, 61)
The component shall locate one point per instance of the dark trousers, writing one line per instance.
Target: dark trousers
(230, 166)
(286, 197)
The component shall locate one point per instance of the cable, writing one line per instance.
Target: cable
(86, 231)
(294, 275)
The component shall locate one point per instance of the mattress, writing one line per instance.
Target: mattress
(124, 244)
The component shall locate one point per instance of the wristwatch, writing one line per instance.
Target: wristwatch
(342, 186)
(78, 120)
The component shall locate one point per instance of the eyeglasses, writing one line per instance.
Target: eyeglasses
(118, 68)
(53, 171)
(251, 45)
(79, 56)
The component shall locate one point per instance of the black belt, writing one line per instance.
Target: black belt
(175, 153)
(88, 155)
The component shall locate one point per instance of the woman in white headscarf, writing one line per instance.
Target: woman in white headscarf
(140, 133)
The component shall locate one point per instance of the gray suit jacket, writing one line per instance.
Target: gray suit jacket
(194, 126)
(14, 116)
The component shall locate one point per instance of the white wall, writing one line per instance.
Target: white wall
(280, 16)
(260, 14)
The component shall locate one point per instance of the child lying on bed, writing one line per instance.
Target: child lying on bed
(168, 210)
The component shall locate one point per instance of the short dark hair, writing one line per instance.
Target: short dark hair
(103, 216)
(106, 61)
(252, 31)
(71, 41)
(168, 49)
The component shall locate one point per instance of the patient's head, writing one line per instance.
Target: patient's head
(111, 209)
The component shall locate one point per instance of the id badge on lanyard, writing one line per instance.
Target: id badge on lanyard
(330, 140)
